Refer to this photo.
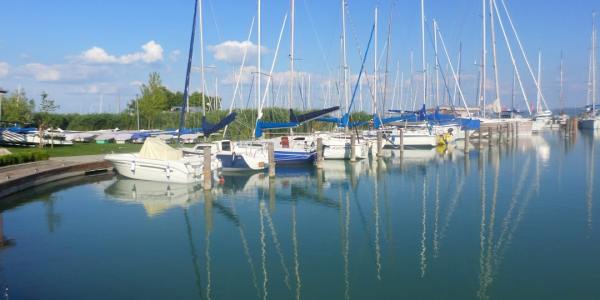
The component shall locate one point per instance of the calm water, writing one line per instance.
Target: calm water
(521, 221)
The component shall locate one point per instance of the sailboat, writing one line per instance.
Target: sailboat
(289, 149)
(158, 161)
(591, 119)
(542, 118)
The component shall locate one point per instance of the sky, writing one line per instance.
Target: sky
(91, 56)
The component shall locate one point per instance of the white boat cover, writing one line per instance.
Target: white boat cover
(155, 148)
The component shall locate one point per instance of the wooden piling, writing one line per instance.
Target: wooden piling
(319, 161)
(206, 169)
(467, 140)
(271, 153)
(490, 137)
(401, 140)
(379, 143)
(352, 147)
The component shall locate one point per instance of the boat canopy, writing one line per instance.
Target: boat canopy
(262, 125)
(155, 148)
(209, 128)
(311, 115)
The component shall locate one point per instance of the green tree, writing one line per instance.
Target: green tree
(47, 106)
(17, 107)
(152, 100)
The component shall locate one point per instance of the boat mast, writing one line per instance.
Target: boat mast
(259, 74)
(539, 88)
(187, 79)
(562, 95)
(203, 79)
(292, 30)
(483, 58)
(437, 65)
(424, 63)
(376, 69)
(494, 57)
(346, 95)
(594, 63)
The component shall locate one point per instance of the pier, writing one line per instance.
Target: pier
(20, 177)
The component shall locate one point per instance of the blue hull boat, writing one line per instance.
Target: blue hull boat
(291, 157)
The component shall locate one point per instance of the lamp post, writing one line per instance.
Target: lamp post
(2, 92)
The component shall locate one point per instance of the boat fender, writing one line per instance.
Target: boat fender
(168, 171)
(132, 167)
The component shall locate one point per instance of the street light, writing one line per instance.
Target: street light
(2, 92)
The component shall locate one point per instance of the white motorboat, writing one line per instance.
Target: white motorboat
(338, 146)
(236, 156)
(157, 161)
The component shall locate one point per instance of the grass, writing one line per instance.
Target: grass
(82, 149)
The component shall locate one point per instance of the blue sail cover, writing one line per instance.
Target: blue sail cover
(261, 125)
(208, 128)
(311, 115)
(469, 124)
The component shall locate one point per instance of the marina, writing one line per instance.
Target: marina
(300, 150)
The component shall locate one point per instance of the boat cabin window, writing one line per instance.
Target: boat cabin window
(226, 146)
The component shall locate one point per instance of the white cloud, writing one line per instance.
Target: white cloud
(174, 56)
(233, 51)
(136, 83)
(152, 52)
(4, 68)
(42, 72)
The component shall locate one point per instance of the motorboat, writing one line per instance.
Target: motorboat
(158, 161)
(236, 156)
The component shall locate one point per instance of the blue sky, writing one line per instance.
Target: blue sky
(83, 51)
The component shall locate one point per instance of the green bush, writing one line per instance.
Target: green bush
(23, 157)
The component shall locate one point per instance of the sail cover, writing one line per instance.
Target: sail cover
(155, 148)
(208, 128)
(311, 115)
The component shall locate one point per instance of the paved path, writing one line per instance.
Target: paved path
(16, 178)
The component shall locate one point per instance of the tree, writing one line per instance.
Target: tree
(153, 99)
(17, 108)
(47, 106)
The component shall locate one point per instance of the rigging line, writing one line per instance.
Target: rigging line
(312, 25)
(278, 248)
(212, 12)
(246, 250)
(446, 86)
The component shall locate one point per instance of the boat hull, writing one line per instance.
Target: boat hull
(589, 124)
(291, 157)
(129, 165)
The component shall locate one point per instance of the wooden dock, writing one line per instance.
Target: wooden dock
(20, 177)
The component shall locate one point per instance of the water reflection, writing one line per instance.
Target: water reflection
(379, 228)
(155, 197)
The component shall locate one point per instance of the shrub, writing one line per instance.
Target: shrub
(23, 157)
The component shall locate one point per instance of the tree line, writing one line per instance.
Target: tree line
(155, 103)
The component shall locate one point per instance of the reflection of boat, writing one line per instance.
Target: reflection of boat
(157, 161)
(156, 197)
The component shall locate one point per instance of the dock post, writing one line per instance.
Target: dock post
(206, 170)
(490, 137)
(271, 150)
(517, 130)
(319, 161)
(401, 140)
(499, 130)
(379, 143)
(352, 148)
(467, 140)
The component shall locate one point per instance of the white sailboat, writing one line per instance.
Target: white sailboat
(591, 119)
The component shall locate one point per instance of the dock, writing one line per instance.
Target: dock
(17, 178)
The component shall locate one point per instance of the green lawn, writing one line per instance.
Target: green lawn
(82, 149)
